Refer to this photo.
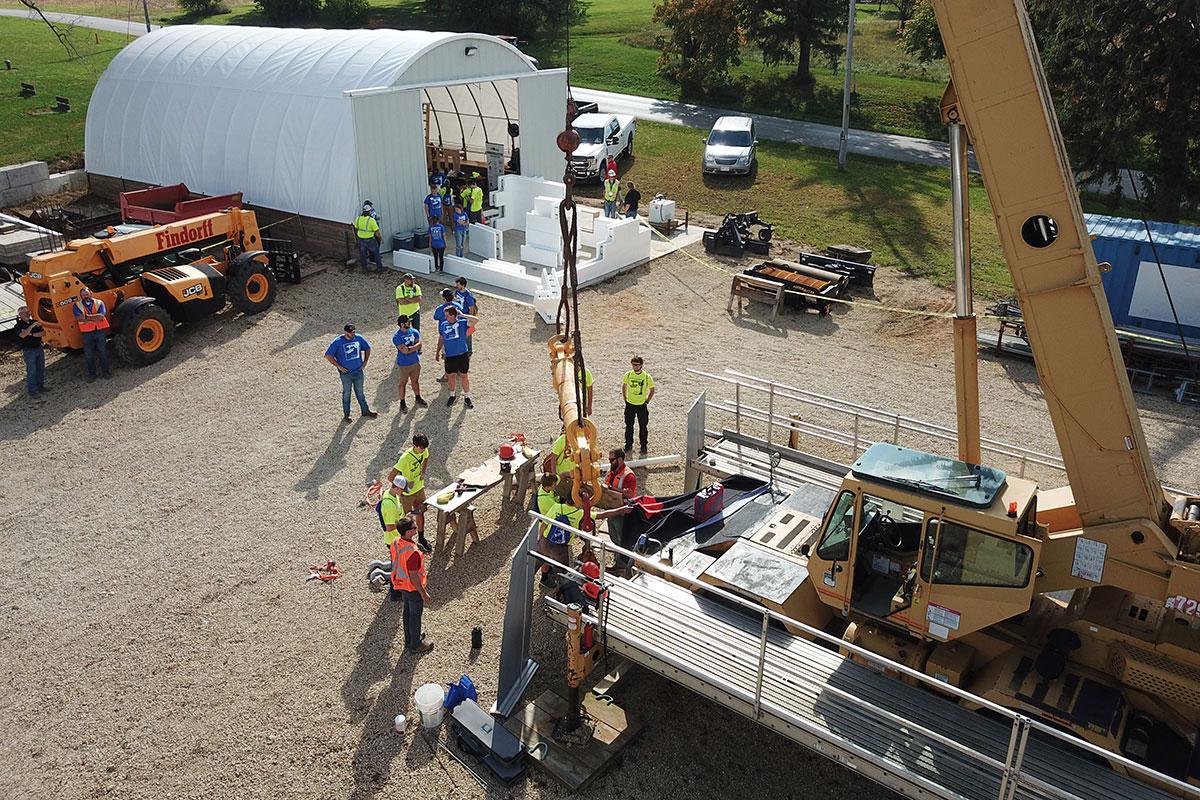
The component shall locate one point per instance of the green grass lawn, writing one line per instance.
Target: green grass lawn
(614, 50)
(900, 211)
(31, 129)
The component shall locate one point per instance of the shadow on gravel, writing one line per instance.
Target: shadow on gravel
(66, 375)
(331, 461)
(378, 746)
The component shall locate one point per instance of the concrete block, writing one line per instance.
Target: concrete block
(25, 173)
(15, 196)
(4, 182)
(75, 179)
(52, 185)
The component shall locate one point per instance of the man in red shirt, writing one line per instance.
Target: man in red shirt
(620, 479)
(408, 578)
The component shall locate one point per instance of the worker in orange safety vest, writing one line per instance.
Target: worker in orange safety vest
(620, 478)
(92, 317)
(408, 578)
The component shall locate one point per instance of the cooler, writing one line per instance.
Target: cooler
(709, 502)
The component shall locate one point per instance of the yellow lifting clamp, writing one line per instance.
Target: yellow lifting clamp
(581, 434)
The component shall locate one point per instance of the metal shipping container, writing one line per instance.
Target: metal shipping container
(1134, 285)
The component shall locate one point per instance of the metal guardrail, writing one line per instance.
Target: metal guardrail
(898, 423)
(1011, 776)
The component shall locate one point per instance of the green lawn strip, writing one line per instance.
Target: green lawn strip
(32, 131)
(900, 211)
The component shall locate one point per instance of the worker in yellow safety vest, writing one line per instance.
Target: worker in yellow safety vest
(612, 194)
(366, 230)
(92, 317)
(411, 465)
(408, 300)
(408, 579)
(475, 209)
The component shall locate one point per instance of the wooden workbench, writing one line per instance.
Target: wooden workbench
(459, 513)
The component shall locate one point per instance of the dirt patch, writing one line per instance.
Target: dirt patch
(159, 639)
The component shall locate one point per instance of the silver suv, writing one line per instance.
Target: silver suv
(731, 147)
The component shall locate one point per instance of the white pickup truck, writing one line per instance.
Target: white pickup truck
(600, 136)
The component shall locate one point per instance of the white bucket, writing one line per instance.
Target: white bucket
(429, 699)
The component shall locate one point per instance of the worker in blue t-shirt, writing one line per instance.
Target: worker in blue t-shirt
(407, 340)
(437, 243)
(433, 203)
(350, 354)
(466, 301)
(439, 313)
(452, 338)
(462, 224)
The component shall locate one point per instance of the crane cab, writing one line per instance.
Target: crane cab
(925, 543)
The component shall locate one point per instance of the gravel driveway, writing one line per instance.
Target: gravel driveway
(159, 639)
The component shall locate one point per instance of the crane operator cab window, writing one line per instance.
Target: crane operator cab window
(885, 567)
(959, 556)
(884, 548)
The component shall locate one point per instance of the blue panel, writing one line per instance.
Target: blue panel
(1123, 243)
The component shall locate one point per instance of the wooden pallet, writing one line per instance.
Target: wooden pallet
(573, 766)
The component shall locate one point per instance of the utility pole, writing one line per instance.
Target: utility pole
(146, 11)
(845, 138)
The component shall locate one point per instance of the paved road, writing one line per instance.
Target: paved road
(868, 143)
(132, 27)
(880, 145)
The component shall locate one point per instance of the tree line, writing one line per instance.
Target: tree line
(1124, 74)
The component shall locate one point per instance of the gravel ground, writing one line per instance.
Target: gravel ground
(159, 639)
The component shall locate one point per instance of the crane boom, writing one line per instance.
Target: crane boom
(999, 91)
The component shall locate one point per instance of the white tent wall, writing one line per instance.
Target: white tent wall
(471, 115)
(542, 103)
(268, 112)
(387, 151)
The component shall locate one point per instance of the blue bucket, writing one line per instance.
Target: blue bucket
(458, 692)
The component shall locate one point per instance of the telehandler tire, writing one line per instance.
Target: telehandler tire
(146, 335)
(251, 287)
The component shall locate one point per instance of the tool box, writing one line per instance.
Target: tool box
(709, 502)
(482, 735)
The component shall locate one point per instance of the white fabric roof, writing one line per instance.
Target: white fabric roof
(259, 110)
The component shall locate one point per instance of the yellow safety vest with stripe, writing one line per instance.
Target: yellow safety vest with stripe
(408, 299)
(477, 199)
(365, 227)
(611, 190)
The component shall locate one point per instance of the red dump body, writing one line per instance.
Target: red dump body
(165, 204)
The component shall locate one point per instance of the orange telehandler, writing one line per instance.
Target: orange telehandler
(151, 279)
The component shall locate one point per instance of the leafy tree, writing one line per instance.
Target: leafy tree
(340, 13)
(524, 18)
(1125, 78)
(904, 10)
(788, 31)
(920, 38)
(203, 8)
(1125, 75)
(288, 12)
(702, 43)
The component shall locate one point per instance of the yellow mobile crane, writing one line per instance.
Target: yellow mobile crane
(955, 563)
(1074, 612)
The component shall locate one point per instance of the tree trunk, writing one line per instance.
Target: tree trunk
(804, 64)
(1171, 169)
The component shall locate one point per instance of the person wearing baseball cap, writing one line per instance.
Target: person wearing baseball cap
(391, 509)
(350, 354)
